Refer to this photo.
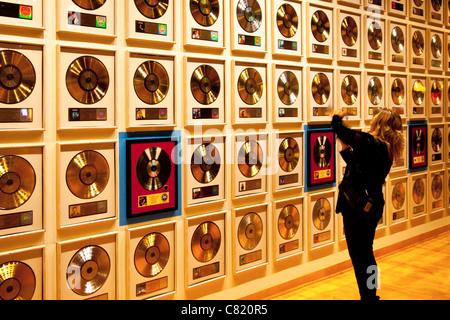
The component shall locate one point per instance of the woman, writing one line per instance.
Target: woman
(369, 157)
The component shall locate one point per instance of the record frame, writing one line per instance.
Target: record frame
(317, 113)
(281, 44)
(257, 257)
(72, 19)
(401, 107)
(374, 56)
(436, 157)
(315, 49)
(397, 59)
(327, 236)
(436, 204)
(353, 110)
(419, 209)
(348, 53)
(446, 52)
(436, 110)
(401, 214)
(436, 63)
(418, 60)
(282, 179)
(287, 113)
(402, 163)
(19, 15)
(162, 284)
(419, 13)
(418, 110)
(369, 106)
(417, 160)
(315, 175)
(435, 16)
(198, 272)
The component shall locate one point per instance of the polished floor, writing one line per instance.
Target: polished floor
(417, 272)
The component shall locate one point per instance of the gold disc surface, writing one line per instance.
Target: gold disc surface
(250, 158)
(288, 154)
(288, 222)
(349, 90)
(375, 35)
(250, 86)
(418, 43)
(249, 15)
(153, 168)
(418, 191)
(205, 84)
(89, 4)
(436, 46)
(436, 92)
(397, 39)
(398, 195)
(320, 26)
(436, 140)
(349, 31)
(321, 214)
(205, 163)
(287, 20)
(418, 92)
(152, 9)
(151, 254)
(398, 91)
(151, 82)
(250, 231)
(205, 12)
(288, 87)
(375, 90)
(436, 186)
(205, 242)
(17, 281)
(320, 88)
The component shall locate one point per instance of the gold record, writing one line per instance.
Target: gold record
(250, 86)
(153, 168)
(436, 186)
(349, 90)
(321, 214)
(418, 43)
(398, 195)
(375, 35)
(349, 31)
(87, 80)
(418, 191)
(288, 87)
(436, 140)
(205, 84)
(418, 92)
(88, 270)
(436, 46)
(288, 222)
(320, 26)
(152, 9)
(249, 15)
(398, 91)
(419, 142)
(205, 12)
(320, 88)
(17, 77)
(151, 254)
(17, 182)
(205, 163)
(17, 281)
(436, 92)
(436, 4)
(375, 90)
(397, 40)
(250, 231)
(418, 2)
(89, 4)
(288, 154)
(287, 20)
(322, 151)
(151, 82)
(250, 158)
(87, 174)
(205, 242)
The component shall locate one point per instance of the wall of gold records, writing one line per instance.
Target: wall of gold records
(78, 76)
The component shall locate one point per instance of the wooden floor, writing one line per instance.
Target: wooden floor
(418, 272)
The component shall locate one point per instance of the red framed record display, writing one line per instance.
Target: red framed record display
(321, 165)
(418, 145)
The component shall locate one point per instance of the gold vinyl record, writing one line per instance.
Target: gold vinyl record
(419, 142)
(288, 222)
(321, 214)
(205, 12)
(436, 46)
(17, 77)
(205, 242)
(398, 195)
(375, 90)
(436, 92)
(249, 15)
(250, 158)
(397, 39)
(87, 80)
(287, 20)
(250, 231)
(349, 90)
(418, 43)
(349, 31)
(288, 87)
(288, 154)
(205, 84)
(152, 9)
(418, 2)
(153, 168)
(436, 140)
(322, 151)
(418, 191)
(87, 174)
(89, 4)
(88, 270)
(151, 254)
(250, 86)
(205, 163)
(17, 182)
(320, 26)
(320, 88)
(418, 92)
(436, 186)
(436, 4)
(375, 35)
(17, 281)
(151, 82)
(398, 91)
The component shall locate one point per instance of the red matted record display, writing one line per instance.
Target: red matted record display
(151, 177)
(418, 145)
(321, 164)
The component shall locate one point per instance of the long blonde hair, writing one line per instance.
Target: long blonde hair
(387, 126)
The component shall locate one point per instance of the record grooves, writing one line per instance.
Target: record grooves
(206, 241)
(205, 84)
(153, 168)
(249, 15)
(17, 281)
(151, 82)
(205, 163)
(151, 254)
(287, 20)
(152, 9)
(205, 12)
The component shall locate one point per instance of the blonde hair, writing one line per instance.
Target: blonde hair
(387, 126)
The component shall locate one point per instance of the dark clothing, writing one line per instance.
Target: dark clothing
(368, 164)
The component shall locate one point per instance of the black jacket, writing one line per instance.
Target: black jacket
(367, 161)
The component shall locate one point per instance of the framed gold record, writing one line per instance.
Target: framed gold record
(398, 7)
(287, 39)
(375, 92)
(288, 94)
(436, 185)
(321, 219)
(320, 94)
(320, 26)
(288, 157)
(376, 40)
(418, 193)
(436, 49)
(418, 10)
(398, 199)
(436, 12)
(398, 93)
(436, 94)
(418, 56)
(349, 36)
(436, 143)
(417, 105)
(350, 93)
(397, 44)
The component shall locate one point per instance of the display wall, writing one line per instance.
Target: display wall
(182, 150)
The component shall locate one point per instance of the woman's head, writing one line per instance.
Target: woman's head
(387, 126)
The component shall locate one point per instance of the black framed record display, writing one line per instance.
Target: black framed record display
(418, 145)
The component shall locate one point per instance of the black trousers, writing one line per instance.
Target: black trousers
(359, 228)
